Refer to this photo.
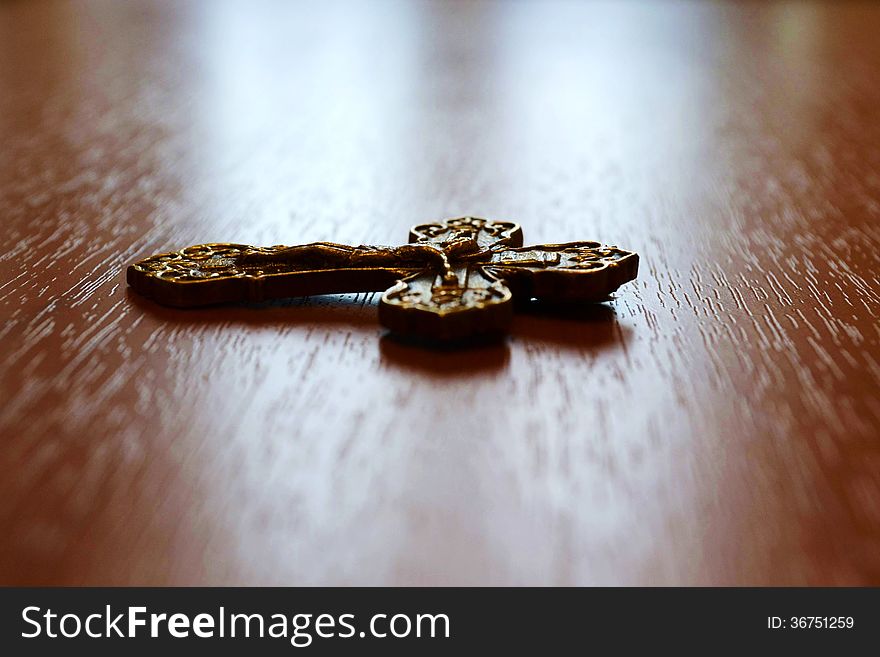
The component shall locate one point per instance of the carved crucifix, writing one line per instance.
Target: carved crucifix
(454, 279)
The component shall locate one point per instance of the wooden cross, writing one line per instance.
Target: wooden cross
(454, 279)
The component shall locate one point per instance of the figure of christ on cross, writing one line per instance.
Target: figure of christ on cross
(455, 279)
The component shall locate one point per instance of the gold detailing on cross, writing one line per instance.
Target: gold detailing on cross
(454, 279)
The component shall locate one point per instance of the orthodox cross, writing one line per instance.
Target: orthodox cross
(455, 278)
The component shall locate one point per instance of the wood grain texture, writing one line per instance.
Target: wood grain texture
(717, 423)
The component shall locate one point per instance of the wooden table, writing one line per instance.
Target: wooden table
(718, 422)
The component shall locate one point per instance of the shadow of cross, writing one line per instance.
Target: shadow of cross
(455, 279)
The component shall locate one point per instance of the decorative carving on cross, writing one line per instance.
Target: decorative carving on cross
(455, 278)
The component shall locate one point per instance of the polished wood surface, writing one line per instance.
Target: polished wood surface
(717, 423)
